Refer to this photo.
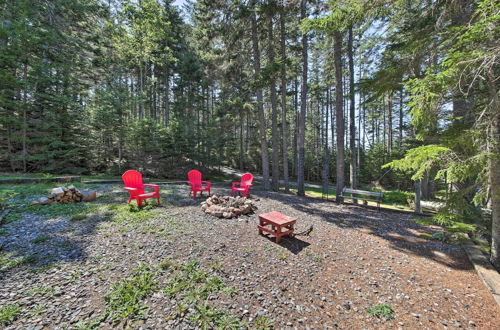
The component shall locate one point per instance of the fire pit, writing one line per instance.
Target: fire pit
(227, 206)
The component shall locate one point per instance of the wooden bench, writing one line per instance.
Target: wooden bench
(377, 196)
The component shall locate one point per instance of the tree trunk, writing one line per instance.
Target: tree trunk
(167, 97)
(25, 120)
(418, 192)
(400, 137)
(303, 109)
(283, 101)
(339, 109)
(352, 126)
(326, 152)
(295, 127)
(274, 114)
(260, 105)
(389, 123)
(494, 169)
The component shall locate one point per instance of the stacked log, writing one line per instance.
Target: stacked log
(227, 206)
(65, 195)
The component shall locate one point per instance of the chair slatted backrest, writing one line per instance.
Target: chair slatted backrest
(133, 179)
(246, 179)
(194, 177)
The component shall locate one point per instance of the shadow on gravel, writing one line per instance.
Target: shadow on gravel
(46, 236)
(292, 244)
(392, 227)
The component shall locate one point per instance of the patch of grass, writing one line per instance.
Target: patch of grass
(50, 290)
(193, 284)
(3, 231)
(9, 314)
(425, 235)
(124, 298)
(314, 256)
(262, 322)
(282, 256)
(205, 316)
(37, 310)
(230, 290)
(460, 227)
(209, 317)
(382, 311)
(67, 245)
(7, 263)
(87, 325)
(217, 264)
(78, 217)
(270, 248)
(41, 239)
(130, 214)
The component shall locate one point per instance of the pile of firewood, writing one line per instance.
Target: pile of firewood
(66, 195)
(227, 206)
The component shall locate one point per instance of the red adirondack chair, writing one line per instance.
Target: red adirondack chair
(194, 179)
(133, 184)
(244, 185)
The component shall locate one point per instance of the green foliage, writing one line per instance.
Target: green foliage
(382, 311)
(124, 298)
(262, 322)
(5, 196)
(397, 197)
(9, 314)
(420, 160)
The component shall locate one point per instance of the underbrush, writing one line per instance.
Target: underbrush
(459, 230)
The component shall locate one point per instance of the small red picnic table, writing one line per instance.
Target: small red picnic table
(277, 221)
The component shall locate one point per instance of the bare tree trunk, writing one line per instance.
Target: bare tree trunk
(400, 137)
(303, 109)
(274, 114)
(418, 192)
(260, 105)
(352, 109)
(167, 97)
(25, 120)
(389, 123)
(326, 152)
(283, 101)
(494, 169)
(141, 91)
(339, 109)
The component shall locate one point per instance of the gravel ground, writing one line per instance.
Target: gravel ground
(354, 259)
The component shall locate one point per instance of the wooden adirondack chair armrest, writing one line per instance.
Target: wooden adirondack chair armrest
(130, 189)
(234, 184)
(207, 183)
(155, 186)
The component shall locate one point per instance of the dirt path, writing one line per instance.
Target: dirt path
(354, 260)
